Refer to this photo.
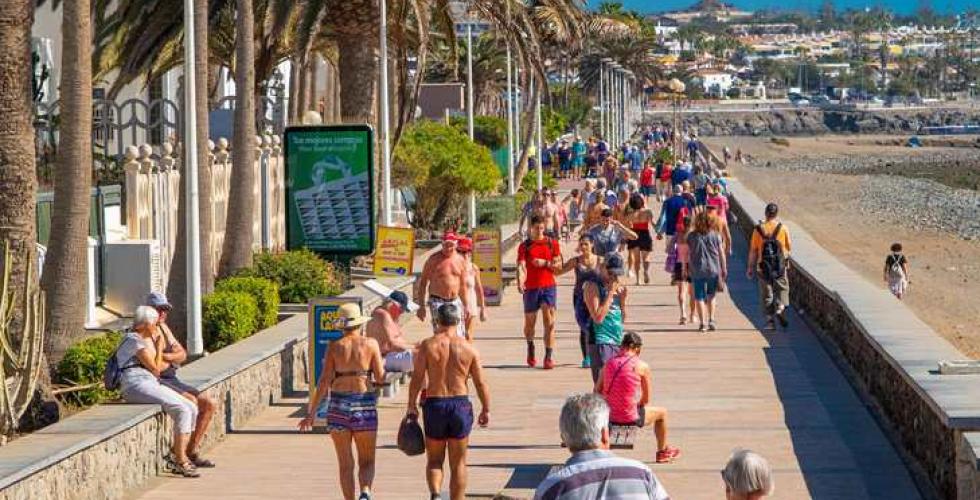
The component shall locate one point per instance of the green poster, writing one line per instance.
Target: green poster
(329, 189)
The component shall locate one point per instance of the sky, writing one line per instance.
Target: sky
(900, 6)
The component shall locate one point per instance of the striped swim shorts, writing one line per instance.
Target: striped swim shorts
(352, 411)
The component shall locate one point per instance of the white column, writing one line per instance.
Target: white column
(539, 142)
(469, 108)
(510, 118)
(385, 140)
(602, 102)
(518, 150)
(195, 340)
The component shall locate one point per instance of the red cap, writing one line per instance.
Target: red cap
(450, 236)
(465, 244)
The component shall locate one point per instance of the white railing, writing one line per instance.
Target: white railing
(152, 188)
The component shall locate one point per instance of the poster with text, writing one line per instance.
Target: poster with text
(394, 251)
(486, 255)
(330, 189)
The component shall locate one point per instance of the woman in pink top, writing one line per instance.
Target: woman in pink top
(625, 382)
(716, 199)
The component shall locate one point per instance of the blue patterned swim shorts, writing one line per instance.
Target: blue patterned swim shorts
(352, 411)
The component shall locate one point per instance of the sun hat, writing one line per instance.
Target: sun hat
(350, 315)
(615, 264)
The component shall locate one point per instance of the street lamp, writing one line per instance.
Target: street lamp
(385, 139)
(603, 98)
(195, 339)
(510, 117)
(676, 88)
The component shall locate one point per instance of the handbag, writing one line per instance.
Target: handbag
(671, 262)
(411, 440)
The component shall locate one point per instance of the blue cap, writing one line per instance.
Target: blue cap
(615, 264)
(158, 300)
(400, 298)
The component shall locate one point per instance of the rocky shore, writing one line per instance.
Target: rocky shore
(937, 190)
(806, 121)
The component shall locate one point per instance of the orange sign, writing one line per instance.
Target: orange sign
(394, 251)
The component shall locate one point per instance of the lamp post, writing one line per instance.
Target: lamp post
(385, 139)
(614, 104)
(469, 107)
(510, 117)
(676, 88)
(195, 339)
(603, 98)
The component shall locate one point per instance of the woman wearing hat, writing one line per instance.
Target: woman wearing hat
(352, 414)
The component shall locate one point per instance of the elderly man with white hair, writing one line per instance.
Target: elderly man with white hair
(747, 476)
(593, 472)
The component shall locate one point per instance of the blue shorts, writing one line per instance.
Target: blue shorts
(447, 418)
(537, 298)
(646, 190)
(352, 411)
(704, 289)
(701, 196)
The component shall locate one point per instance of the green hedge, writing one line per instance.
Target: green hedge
(264, 291)
(300, 274)
(227, 318)
(84, 363)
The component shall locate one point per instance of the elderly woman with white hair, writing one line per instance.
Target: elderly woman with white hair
(747, 476)
(140, 359)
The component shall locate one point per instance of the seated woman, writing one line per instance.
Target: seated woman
(140, 358)
(352, 412)
(625, 382)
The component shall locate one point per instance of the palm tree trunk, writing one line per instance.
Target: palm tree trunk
(302, 92)
(314, 91)
(237, 251)
(65, 267)
(18, 176)
(177, 281)
(358, 80)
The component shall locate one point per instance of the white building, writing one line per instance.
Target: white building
(716, 83)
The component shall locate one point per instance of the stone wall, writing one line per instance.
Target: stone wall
(892, 367)
(109, 449)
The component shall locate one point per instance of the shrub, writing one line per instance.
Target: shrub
(489, 131)
(443, 165)
(300, 274)
(84, 363)
(264, 291)
(496, 211)
(227, 318)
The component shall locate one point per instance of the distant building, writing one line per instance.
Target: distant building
(715, 83)
(712, 9)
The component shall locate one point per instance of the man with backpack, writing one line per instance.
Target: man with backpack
(538, 259)
(769, 253)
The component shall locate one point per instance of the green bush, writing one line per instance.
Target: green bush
(443, 165)
(227, 318)
(264, 291)
(300, 274)
(489, 131)
(84, 363)
(496, 211)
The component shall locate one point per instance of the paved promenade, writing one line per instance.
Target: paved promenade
(778, 394)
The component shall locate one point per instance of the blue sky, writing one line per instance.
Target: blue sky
(901, 6)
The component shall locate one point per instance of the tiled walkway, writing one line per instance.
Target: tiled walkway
(778, 394)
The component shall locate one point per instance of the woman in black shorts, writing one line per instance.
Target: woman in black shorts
(641, 219)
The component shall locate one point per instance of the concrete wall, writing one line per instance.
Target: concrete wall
(891, 357)
(106, 450)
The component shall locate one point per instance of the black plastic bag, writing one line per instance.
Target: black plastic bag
(410, 438)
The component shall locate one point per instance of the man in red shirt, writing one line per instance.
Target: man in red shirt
(538, 258)
(648, 186)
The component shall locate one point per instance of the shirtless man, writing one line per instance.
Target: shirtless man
(384, 328)
(542, 206)
(444, 363)
(442, 281)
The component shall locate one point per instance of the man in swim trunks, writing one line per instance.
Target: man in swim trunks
(444, 363)
(442, 281)
(384, 328)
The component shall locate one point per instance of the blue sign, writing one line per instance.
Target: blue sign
(325, 326)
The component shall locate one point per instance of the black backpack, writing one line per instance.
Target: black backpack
(772, 262)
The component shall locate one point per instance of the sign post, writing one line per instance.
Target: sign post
(330, 189)
(325, 326)
(395, 252)
(487, 255)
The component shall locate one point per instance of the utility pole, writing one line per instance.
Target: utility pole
(469, 107)
(195, 339)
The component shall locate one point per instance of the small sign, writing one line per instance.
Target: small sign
(487, 255)
(325, 326)
(395, 251)
(330, 189)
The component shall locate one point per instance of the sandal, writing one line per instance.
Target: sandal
(185, 469)
(198, 461)
(667, 455)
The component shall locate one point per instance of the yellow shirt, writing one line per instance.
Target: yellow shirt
(755, 248)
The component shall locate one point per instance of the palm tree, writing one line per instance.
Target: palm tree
(17, 169)
(65, 269)
(237, 251)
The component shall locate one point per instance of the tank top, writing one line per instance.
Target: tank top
(621, 386)
(581, 272)
(610, 330)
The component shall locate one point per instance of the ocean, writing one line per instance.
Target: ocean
(898, 6)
